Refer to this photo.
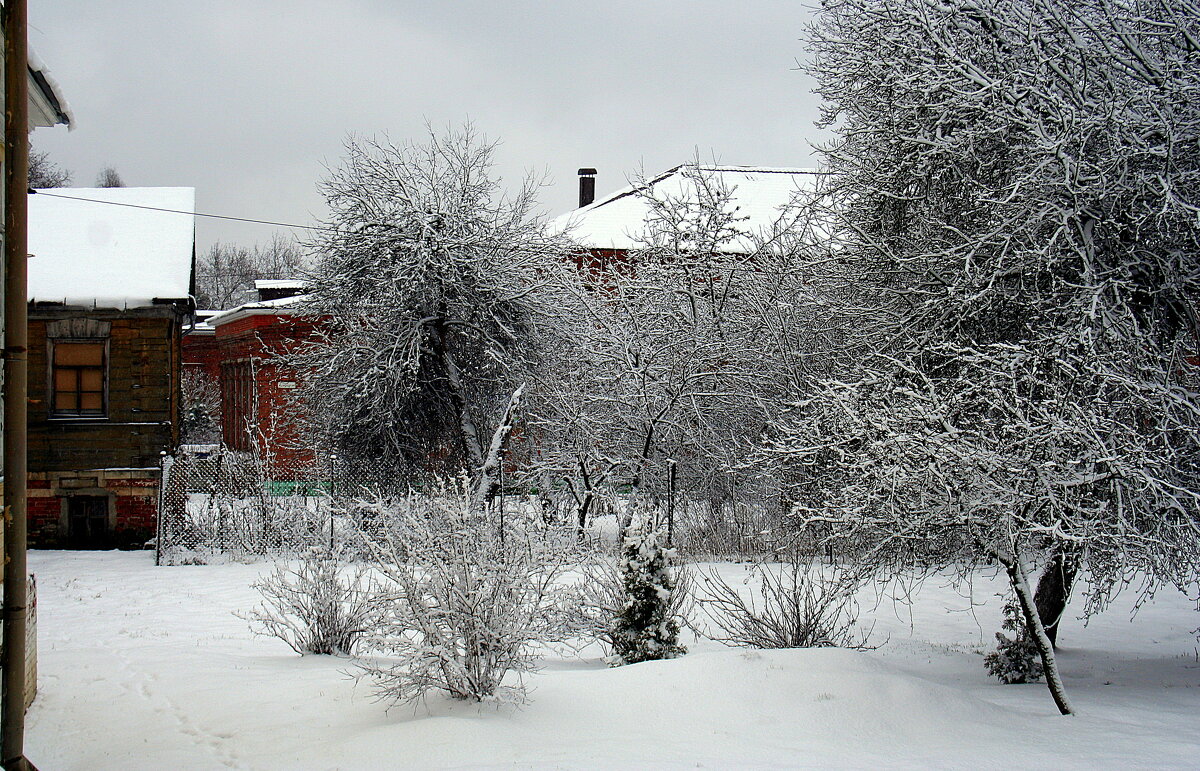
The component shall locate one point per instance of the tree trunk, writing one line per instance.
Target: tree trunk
(586, 502)
(1017, 578)
(1054, 589)
(468, 432)
(489, 473)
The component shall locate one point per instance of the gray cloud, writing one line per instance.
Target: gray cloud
(250, 101)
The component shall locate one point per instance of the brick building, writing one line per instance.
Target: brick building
(241, 348)
(109, 293)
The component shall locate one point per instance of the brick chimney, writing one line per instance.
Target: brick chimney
(587, 186)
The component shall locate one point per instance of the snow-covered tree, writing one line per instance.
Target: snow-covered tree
(646, 628)
(434, 288)
(685, 352)
(1018, 186)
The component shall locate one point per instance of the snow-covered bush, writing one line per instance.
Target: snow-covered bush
(1016, 658)
(645, 629)
(804, 605)
(604, 597)
(464, 604)
(316, 606)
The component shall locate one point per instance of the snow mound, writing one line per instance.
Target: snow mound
(148, 668)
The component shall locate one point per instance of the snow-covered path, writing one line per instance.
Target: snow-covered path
(148, 668)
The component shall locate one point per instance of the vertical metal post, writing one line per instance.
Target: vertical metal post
(329, 499)
(671, 469)
(16, 206)
(166, 467)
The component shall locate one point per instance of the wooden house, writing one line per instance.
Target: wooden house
(110, 285)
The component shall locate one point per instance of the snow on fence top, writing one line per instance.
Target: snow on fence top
(760, 195)
(105, 252)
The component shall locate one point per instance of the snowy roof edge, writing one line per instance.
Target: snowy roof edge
(60, 110)
(256, 308)
(632, 189)
(604, 217)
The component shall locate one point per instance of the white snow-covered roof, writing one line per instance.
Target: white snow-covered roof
(760, 195)
(257, 308)
(97, 247)
(278, 283)
(201, 326)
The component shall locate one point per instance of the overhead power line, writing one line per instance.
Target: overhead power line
(181, 211)
(216, 216)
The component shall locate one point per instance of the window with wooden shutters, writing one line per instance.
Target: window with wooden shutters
(78, 379)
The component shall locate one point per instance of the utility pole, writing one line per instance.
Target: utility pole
(16, 343)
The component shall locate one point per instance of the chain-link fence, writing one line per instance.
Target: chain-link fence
(221, 504)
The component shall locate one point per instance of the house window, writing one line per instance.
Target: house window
(78, 379)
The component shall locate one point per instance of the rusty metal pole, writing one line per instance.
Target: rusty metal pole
(16, 341)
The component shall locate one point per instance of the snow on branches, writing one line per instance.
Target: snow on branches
(1018, 190)
(687, 346)
(435, 291)
(464, 603)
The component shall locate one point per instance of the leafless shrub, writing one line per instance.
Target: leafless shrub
(803, 605)
(317, 606)
(732, 530)
(464, 603)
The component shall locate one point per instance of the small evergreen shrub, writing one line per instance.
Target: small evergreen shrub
(1016, 658)
(646, 628)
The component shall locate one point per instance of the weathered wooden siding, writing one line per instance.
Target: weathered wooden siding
(143, 396)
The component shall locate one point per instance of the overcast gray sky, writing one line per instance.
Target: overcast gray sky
(250, 101)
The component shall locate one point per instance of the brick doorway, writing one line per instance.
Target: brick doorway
(88, 523)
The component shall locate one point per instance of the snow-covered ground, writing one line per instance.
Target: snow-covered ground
(148, 668)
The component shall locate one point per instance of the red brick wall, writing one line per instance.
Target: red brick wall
(138, 514)
(43, 519)
(204, 352)
(259, 339)
(133, 505)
